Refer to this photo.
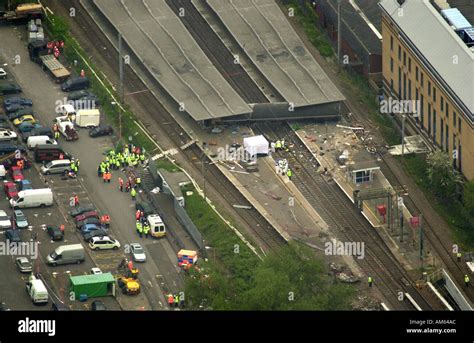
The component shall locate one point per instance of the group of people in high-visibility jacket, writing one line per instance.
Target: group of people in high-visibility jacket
(175, 300)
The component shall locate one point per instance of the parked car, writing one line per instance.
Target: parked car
(13, 236)
(41, 131)
(9, 88)
(20, 219)
(101, 130)
(104, 243)
(90, 227)
(26, 127)
(96, 271)
(76, 95)
(27, 118)
(75, 84)
(98, 305)
(91, 220)
(24, 265)
(14, 115)
(16, 106)
(16, 173)
(8, 148)
(81, 209)
(85, 215)
(4, 118)
(5, 222)
(55, 233)
(10, 189)
(17, 100)
(24, 184)
(7, 134)
(138, 254)
(94, 233)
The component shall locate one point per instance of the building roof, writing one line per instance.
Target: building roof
(437, 44)
(466, 7)
(91, 279)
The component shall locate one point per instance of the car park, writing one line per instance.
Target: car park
(10, 189)
(17, 100)
(27, 118)
(98, 305)
(7, 134)
(26, 127)
(24, 265)
(20, 219)
(91, 220)
(137, 252)
(55, 233)
(104, 243)
(16, 173)
(24, 184)
(101, 130)
(94, 233)
(85, 215)
(81, 209)
(90, 227)
(13, 236)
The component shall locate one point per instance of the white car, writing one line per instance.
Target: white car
(137, 252)
(7, 135)
(104, 243)
(3, 73)
(96, 271)
(5, 222)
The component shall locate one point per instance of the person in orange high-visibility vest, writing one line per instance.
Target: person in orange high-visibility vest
(120, 180)
(104, 177)
(170, 299)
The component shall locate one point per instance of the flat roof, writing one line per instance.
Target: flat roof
(159, 39)
(437, 43)
(267, 37)
(91, 279)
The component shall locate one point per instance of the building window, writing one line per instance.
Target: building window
(459, 156)
(399, 53)
(447, 137)
(391, 86)
(434, 126)
(404, 86)
(441, 126)
(416, 73)
(409, 64)
(416, 104)
(362, 176)
(404, 59)
(421, 79)
(422, 110)
(391, 43)
(399, 82)
(409, 89)
(441, 104)
(459, 124)
(429, 118)
(434, 94)
(429, 88)
(391, 64)
(447, 111)
(454, 119)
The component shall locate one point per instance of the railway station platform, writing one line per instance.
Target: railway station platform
(162, 43)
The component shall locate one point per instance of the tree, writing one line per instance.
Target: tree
(442, 176)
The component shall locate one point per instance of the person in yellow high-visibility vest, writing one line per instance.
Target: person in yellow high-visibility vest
(466, 280)
(370, 281)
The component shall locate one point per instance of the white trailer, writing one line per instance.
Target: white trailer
(88, 118)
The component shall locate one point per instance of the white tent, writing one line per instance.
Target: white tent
(256, 145)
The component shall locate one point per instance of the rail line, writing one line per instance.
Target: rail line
(262, 231)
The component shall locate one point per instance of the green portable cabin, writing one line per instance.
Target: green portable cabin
(98, 285)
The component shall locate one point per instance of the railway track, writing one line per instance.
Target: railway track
(266, 237)
(340, 214)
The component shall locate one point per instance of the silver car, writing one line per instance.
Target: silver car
(137, 252)
(24, 265)
(20, 219)
(5, 222)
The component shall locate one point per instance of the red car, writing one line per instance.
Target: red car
(10, 189)
(86, 215)
(16, 173)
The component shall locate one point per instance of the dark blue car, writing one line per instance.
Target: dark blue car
(17, 100)
(27, 127)
(91, 227)
(24, 185)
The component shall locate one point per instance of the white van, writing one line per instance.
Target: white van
(67, 254)
(157, 226)
(56, 167)
(33, 141)
(32, 198)
(3, 172)
(37, 290)
(67, 110)
(88, 118)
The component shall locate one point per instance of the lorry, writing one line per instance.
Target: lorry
(41, 197)
(67, 254)
(39, 53)
(24, 12)
(37, 290)
(88, 118)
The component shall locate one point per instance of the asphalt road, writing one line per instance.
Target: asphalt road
(160, 273)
